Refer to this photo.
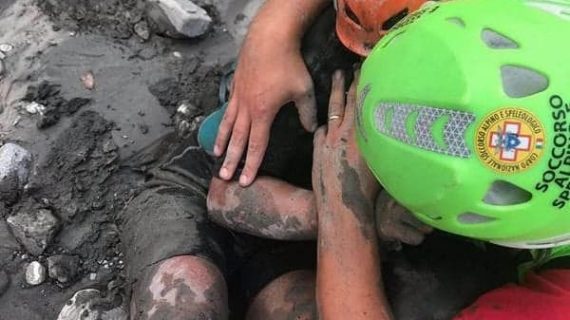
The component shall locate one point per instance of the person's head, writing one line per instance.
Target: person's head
(361, 23)
(464, 117)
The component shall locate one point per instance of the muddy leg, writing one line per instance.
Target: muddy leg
(291, 296)
(183, 287)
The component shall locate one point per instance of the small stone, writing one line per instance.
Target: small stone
(141, 29)
(93, 276)
(15, 164)
(2, 55)
(187, 109)
(86, 305)
(34, 230)
(88, 80)
(35, 273)
(6, 47)
(186, 119)
(143, 128)
(4, 282)
(34, 108)
(179, 18)
(109, 146)
(63, 268)
(177, 54)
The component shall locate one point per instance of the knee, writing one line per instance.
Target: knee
(291, 296)
(180, 288)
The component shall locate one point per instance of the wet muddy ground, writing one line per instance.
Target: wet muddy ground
(81, 140)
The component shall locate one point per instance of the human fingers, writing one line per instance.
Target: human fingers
(348, 119)
(258, 141)
(337, 100)
(236, 147)
(226, 127)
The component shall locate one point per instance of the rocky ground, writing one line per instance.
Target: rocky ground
(84, 84)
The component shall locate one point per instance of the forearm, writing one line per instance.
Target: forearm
(269, 208)
(349, 282)
(285, 21)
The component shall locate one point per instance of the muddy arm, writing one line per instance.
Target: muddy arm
(269, 208)
(349, 282)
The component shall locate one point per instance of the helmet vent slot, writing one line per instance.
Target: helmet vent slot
(495, 40)
(520, 82)
(557, 8)
(457, 21)
(388, 24)
(473, 218)
(351, 15)
(503, 193)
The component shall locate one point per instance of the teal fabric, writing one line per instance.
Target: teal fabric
(209, 129)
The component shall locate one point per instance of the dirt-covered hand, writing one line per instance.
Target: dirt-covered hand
(340, 176)
(396, 223)
(267, 76)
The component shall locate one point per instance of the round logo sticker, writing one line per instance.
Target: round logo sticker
(510, 140)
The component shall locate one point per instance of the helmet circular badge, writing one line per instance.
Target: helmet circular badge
(464, 117)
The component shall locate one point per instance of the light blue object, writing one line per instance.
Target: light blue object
(209, 129)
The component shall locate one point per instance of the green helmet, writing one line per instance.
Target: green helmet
(464, 117)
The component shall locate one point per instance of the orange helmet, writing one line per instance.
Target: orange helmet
(361, 23)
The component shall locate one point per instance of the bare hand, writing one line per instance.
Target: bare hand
(267, 77)
(394, 222)
(339, 172)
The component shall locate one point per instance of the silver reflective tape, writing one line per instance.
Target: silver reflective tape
(453, 131)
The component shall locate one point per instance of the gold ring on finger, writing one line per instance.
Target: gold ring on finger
(334, 117)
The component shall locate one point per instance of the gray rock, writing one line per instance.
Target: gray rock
(4, 282)
(34, 230)
(6, 47)
(2, 69)
(15, 163)
(8, 243)
(34, 107)
(63, 268)
(141, 29)
(179, 17)
(109, 146)
(35, 273)
(89, 304)
(7, 240)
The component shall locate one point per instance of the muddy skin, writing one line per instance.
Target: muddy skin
(183, 287)
(255, 211)
(355, 200)
(289, 297)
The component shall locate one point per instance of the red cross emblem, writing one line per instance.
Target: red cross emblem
(510, 141)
